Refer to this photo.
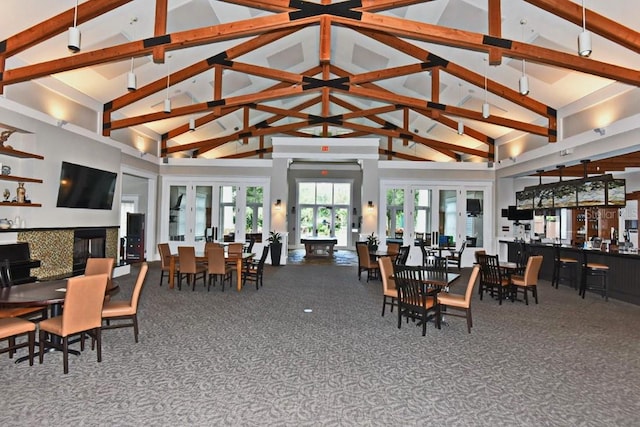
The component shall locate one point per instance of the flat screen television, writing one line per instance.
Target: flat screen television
(85, 187)
(474, 207)
(516, 214)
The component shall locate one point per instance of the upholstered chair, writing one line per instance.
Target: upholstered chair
(125, 310)
(82, 313)
(457, 302)
(389, 291)
(11, 328)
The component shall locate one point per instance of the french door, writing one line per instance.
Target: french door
(195, 211)
(323, 210)
(432, 211)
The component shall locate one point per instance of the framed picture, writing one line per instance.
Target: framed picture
(524, 199)
(592, 193)
(616, 192)
(543, 198)
(565, 195)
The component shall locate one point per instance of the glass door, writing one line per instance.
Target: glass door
(227, 213)
(177, 213)
(324, 210)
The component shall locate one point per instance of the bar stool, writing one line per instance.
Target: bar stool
(564, 264)
(593, 269)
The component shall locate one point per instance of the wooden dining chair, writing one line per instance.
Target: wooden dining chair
(416, 300)
(448, 301)
(234, 250)
(125, 310)
(217, 268)
(254, 271)
(165, 261)
(10, 329)
(33, 313)
(189, 268)
(82, 313)
(492, 279)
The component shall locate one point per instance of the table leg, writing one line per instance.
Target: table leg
(239, 271)
(172, 271)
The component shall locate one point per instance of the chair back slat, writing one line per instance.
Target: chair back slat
(490, 272)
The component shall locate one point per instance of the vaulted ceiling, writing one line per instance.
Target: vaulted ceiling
(409, 72)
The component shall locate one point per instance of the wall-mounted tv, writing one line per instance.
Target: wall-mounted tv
(516, 214)
(474, 207)
(85, 187)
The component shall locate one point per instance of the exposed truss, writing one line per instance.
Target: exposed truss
(333, 86)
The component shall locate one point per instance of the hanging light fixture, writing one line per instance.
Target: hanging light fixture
(192, 119)
(523, 83)
(167, 101)
(460, 122)
(486, 109)
(73, 42)
(584, 38)
(132, 83)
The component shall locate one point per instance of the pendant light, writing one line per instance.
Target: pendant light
(486, 109)
(460, 122)
(132, 83)
(167, 101)
(523, 83)
(584, 38)
(73, 42)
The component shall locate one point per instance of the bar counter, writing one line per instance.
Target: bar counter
(624, 267)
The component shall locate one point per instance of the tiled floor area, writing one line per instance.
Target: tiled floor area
(340, 257)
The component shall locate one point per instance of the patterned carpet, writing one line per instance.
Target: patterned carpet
(256, 358)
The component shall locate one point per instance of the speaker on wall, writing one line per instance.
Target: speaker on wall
(505, 213)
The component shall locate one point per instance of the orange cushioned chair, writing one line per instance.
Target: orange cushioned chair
(82, 313)
(389, 291)
(100, 266)
(126, 310)
(11, 328)
(460, 302)
(529, 280)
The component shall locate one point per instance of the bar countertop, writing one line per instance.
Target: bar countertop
(624, 266)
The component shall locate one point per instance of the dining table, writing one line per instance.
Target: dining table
(240, 259)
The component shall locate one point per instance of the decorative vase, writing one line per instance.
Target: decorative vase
(20, 193)
(276, 253)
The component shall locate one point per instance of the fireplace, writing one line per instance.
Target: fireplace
(87, 243)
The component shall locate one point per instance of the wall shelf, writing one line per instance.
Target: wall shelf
(19, 179)
(15, 204)
(19, 154)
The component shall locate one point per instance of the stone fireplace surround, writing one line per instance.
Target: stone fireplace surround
(54, 247)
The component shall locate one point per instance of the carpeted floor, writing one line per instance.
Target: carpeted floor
(256, 358)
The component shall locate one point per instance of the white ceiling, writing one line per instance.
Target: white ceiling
(556, 87)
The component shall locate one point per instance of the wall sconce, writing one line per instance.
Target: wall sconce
(370, 206)
(600, 131)
(278, 204)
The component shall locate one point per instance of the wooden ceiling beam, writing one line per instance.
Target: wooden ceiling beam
(198, 67)
(179, 40)
(206, 106)
(495, 29)
(426, 112)
(57, 25)
(480, 42)
(458, 71)
(160, 29)
(596, 23)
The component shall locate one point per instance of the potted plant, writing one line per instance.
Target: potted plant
(275, 243)
(373, 242)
